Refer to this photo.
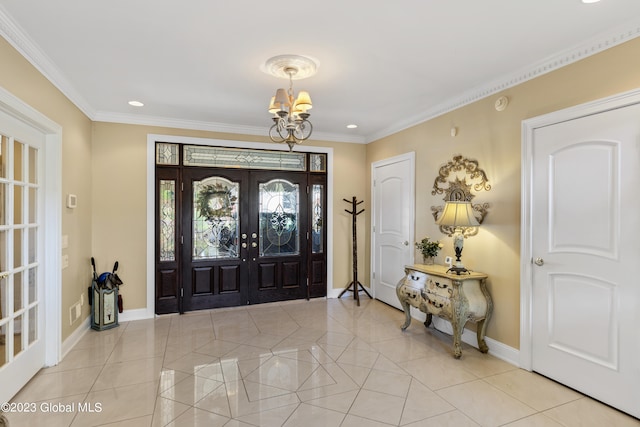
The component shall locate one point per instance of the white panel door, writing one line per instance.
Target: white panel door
(22, 343)
(392, 224)
(585, 231)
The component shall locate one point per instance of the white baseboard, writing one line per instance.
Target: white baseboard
(136, 314)
(72, 340)
(496, 348)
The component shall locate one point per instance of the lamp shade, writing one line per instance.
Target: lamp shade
(282, 98)
(458, 214)
(304, 101)
(273, 107)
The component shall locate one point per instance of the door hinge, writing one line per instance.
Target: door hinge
(307, 189)
(307, 235)
(374, 228)
(374, 274)
(374, 182)
(182, 240)
(181, 292)
(182, 186)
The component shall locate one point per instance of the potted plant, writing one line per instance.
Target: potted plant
(429, 249)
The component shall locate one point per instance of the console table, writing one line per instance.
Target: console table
(456, 298)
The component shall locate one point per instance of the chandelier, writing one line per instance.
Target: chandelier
(290, 113)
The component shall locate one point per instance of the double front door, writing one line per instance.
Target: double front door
(243, 237)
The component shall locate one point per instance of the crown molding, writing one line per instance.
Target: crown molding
(136, 119)
(20, 41)
(590, 47)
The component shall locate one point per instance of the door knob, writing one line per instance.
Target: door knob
(244, 244)
(244, 235)
(538, 261)
(406, 243)
(254, 245)
(254, 235)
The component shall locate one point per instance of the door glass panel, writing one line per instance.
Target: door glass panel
(18, 325)
(33, 165)
(33, 205)
(4, 348)
(17, 248)
(167, 220)
(4, 298)
(17, 161)
(4, 158)
(279, 214)
(317, 225)
(17, 291)
(216, 220)
(17, 205)
(3, 204)
(33, 323)
(33, 244)
(33, 288)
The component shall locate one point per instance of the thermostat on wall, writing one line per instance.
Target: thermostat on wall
(72, 201)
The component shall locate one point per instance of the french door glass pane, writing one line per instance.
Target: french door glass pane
(216, 220)
(167, 220)
(17, 248)
(3, 204)
(4, 347)
(4, 158)
(33, 240)
(17, 204)
(279, 217)
(33, 205)
(317, 226)
(33, 165)
(17, 161)
(33, 323)
(18, 326)
(17, 292)
(33, 285)
(4, 298)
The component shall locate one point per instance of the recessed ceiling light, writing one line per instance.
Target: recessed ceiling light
(352, 126)
(590, 1)
(136, 103)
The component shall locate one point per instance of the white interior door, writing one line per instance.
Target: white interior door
(392, 224)
(22, 343)
(585, 230)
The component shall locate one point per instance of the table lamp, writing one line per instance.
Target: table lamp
(458, 215)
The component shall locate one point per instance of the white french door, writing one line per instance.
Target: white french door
(584, 250)
(22, 343)
(392, 224)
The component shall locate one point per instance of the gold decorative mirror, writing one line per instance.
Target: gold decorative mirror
(456, 179)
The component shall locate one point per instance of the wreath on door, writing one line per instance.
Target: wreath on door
(215, 201)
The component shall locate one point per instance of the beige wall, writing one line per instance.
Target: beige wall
(493, 139)
(20, 78)
(120, 197)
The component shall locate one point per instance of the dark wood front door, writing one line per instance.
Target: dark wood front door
(245, 237)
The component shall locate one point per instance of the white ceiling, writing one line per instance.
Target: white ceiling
(384, 65)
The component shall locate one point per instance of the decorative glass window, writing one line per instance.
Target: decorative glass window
(167, 220)
(216, 219)
(279, 216)
(318, 163)
(317, 226)
(167, 154)
(243, 158)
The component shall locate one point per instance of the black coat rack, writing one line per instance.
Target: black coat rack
(355, 285)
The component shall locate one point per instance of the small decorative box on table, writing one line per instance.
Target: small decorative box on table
(456, 298)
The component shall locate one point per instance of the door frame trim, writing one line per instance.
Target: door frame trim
(529, 126)
(149, 311)
(411, 155)
(52, 226)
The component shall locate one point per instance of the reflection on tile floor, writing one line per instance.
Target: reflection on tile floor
(296, 364)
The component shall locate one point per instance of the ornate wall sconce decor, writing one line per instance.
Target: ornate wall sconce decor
(455, 181)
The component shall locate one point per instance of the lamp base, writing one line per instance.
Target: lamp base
(457, 270)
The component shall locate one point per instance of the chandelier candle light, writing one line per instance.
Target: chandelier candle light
(290, 113)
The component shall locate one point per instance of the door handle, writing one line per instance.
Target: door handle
(538, 261)
(244, 245)
(254, 245)
(3, 275)
(406, 243)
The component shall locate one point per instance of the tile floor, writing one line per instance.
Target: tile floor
(296, 364)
